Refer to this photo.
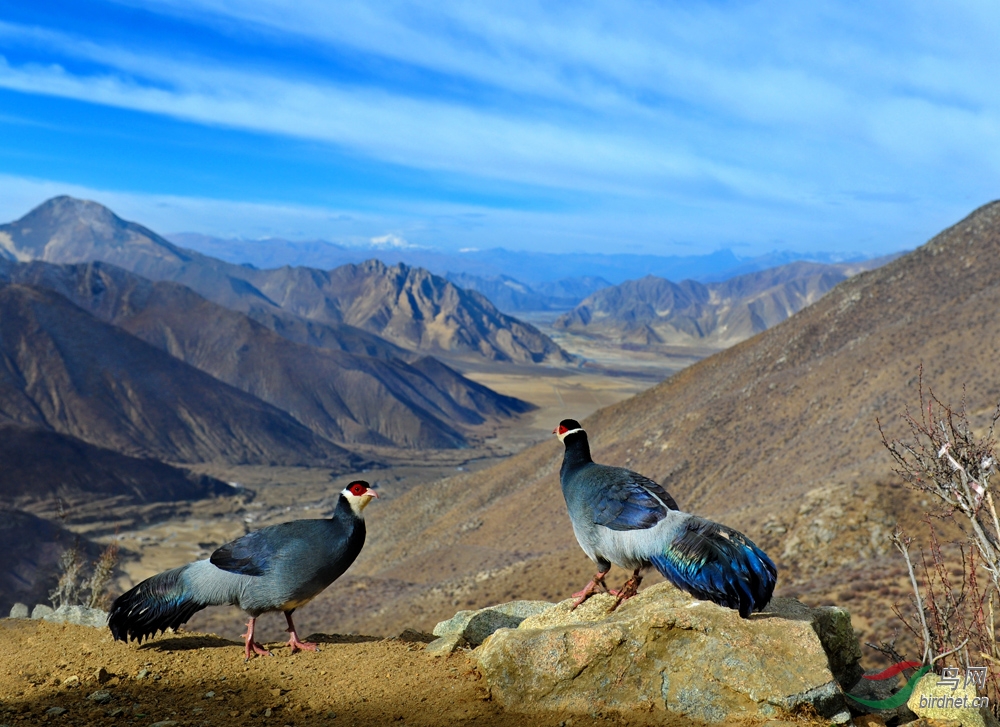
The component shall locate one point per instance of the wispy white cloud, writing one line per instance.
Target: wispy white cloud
(399, 129)
(391, 241)
(690, 119)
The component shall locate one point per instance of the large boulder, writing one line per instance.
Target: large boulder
(663, 650)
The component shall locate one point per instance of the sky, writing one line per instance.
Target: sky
(630, 126)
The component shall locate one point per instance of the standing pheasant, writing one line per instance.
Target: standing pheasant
(277, 568)
(623, 518)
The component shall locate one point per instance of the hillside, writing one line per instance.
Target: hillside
(63, 370)
(655, 311)
(41, 466)
(409, 306)
(776, 436)
(339, 395)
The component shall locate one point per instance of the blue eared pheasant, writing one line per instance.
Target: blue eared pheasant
(277, 568)
(623, 518)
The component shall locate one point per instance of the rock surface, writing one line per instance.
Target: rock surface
(476, 626)
(41, 611)
(80, 615)
(19, 610)
(664, 651)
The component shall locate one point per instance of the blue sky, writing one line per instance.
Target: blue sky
(653, 127)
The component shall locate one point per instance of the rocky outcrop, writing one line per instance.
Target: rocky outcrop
(471, 628)
(664, 651)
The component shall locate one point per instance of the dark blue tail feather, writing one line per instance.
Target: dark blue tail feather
(157, 604)
(718, 564)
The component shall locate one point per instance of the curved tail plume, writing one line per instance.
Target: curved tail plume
(161, 602)
(718, 564)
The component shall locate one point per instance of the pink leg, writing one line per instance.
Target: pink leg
(596, 585)
(628, 590)
(252, 647)
(294, 640)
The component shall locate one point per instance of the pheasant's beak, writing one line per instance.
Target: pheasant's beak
(556, 430)
(371, 493)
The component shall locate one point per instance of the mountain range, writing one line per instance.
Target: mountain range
(341, 396)
(532, 268)
(409, 307)
(652, 311)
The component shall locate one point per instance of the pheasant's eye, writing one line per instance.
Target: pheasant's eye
(358, 488)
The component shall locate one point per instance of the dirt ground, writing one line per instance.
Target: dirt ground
(199, 679)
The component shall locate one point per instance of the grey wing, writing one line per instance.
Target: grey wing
(633, 502)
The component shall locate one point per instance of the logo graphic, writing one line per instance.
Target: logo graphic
(900, 697)
(975, 675)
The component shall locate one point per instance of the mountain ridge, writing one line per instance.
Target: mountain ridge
(653, 310)
(411, 307)
(340, 396)
(536, 269)
(64, 370)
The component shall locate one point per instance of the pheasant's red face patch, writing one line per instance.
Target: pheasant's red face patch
(358, 488)
(561, 429)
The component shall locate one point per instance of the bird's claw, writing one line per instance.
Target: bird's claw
(255, 649)
(596, 585)
(302, 645)
(628, 590)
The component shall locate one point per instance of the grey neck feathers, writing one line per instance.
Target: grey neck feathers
(577, 450)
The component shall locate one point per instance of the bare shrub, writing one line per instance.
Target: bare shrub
(75, 587)
(67, 590)
(957, 592)
(97, 584)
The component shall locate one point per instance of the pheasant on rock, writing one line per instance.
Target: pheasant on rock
(277, 568)
(621, 517)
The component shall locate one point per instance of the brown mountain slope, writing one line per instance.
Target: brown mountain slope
(775, 436)
(41, 465)
(408, 306)
(340, 396)
(654, 310)
(62, 369)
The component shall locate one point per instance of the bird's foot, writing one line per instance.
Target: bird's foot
(254, 648)
(251, 647)
(628, 590)
(596, 585)
(297, 645)
(293, 641)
